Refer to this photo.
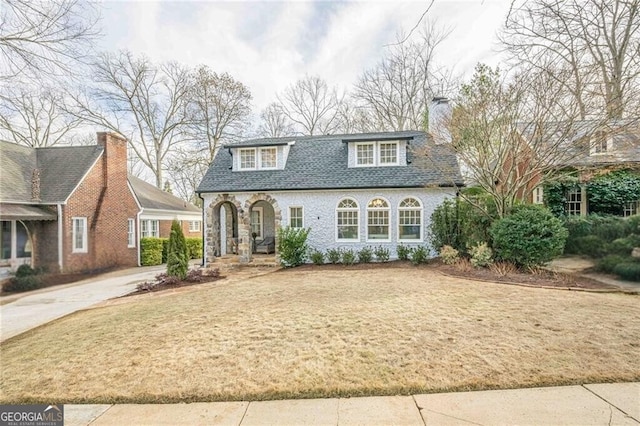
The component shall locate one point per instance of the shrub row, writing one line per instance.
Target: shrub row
(346, 256)
(153, 251)
(25, 279)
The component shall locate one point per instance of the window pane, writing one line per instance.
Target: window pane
(131, 233)
(247, 159)
(268, 158)
(348, 225)
(22, 238)
(378, 221)
(364, 154)
(5, 239)
(295, 217)
(79, 228)
(388, 153)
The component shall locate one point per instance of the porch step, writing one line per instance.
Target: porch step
(233, 262)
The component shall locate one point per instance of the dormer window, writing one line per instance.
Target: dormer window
(601, 143)
(264, 158)
(376, 154)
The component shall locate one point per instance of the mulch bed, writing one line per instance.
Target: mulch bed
(185, 283)
(537, 278)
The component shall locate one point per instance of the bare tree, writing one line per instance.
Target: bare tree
(187, 168)
(35, 117)
(311, 105)
(40, 37)
(596, 42)
(144, 102)
(511, 135)
(274, 122)
(220, 107)
(398, 90)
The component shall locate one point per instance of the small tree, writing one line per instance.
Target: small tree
(178, 254)
(292, 246)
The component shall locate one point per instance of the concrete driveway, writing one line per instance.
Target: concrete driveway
(20, 313)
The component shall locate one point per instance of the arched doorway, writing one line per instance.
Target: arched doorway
(223, 218)
(260, 226)
(228, 228)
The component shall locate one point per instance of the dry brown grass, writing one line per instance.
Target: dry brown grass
(316, 333)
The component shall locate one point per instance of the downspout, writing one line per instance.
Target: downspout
(60, 233)
(138, 235)
(204, 240)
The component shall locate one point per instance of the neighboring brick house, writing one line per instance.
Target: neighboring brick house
(75, 208)
(352, 191)
(589, 148)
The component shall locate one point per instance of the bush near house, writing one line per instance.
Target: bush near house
(25, 279)
(150, 251)
(194, 245)
(530, 236)
(178, 254)
(292, 246)
(609, 239)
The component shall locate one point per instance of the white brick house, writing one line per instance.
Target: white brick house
(352, 191)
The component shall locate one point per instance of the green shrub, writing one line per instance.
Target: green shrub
(334, 255)
(150, 251)
(316, 256)
(628, 270)
(591, 245)
(25, 271)
(529, 236)
(621, 246)
(609, 192)
(23, 283)
(292, 246)
(608, 263)
(178, 254)
(608, 228)
(165, 249)
(449, 255)
(633, 224)
(194, 245)
(419, 255)
(382, 254)
(460, 224)
(348, 257)
(365, 255)
(481, 255)
(403, 252)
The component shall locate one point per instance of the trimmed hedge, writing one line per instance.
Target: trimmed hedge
(194, 245)
(151, 251)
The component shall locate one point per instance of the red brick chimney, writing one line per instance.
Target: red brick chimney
(114, 158)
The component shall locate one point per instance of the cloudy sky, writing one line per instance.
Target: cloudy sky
(268, 45)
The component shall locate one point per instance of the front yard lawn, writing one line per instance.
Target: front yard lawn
(320, 333)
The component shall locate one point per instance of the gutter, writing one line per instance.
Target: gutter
(60, 237)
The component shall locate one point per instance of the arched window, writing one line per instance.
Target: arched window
(410, 220)
(378, 219)
(347, 220)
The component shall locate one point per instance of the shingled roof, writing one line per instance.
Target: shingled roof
(61, 170)
(151, 197)
(320, 162)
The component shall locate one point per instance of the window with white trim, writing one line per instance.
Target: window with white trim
(601, 143)
(538, 195)
(388, 153)
(410, 220)
(377, 219)
(631, 209)
(194, 226)
(257, 213)
(365, 154)
(247, 159)
(380, 153)
(295, 217)
(347, 222)
(268, 158)
(79, 234)
(149, 228)
(574, 201)
(131, 233)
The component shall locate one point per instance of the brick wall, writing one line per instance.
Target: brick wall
(105, 200)
(165, 229)
(44, 236)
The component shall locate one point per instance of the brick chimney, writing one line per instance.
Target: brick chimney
(114, 157)
(35, 185)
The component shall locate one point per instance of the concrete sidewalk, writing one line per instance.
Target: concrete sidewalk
(597, 404)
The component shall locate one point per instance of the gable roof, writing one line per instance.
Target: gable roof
(151, 197)
(61, 170)
(574, 141)
(320, 162)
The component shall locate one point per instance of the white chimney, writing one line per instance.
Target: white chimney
(440, 111)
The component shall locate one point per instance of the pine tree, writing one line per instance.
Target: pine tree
(178, 254)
